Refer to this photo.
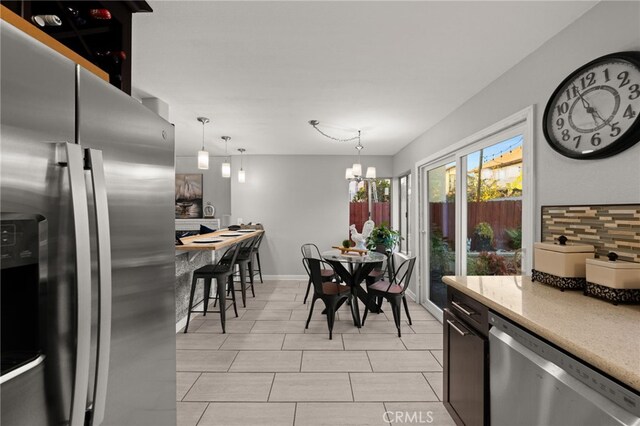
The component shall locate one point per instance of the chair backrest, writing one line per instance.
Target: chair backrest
(314, 268)
(310, 251)
(258, 242)
(402, 274)
(229, 257)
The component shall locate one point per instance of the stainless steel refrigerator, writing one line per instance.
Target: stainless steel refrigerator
(86, 199)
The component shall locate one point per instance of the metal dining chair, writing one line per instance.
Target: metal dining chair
(311, 251)
(394, 291)
(333, 294)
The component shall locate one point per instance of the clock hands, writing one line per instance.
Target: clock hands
(591, 110)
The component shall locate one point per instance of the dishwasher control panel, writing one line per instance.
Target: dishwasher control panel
(615, 392)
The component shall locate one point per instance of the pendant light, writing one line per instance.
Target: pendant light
(355, 171)
(203, 156)
(226, 165)
(241, 173)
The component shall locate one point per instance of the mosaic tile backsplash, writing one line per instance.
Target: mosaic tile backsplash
(614, 227)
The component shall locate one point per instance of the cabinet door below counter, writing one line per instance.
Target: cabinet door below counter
(466, 365)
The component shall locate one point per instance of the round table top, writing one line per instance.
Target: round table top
(370, 257)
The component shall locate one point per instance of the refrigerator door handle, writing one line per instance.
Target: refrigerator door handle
(96, 165)
(70, 156)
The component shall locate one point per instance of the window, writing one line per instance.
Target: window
(403, 213)
(370, 199)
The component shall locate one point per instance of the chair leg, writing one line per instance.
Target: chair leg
(313, 302)
(207, 290)
(406, 308)
(307, 293)
(259, 267)
(331, 316)
(395, 308)
(253, 293)
(222, 294)
(233, 294)
(194, 281)
(243, 286)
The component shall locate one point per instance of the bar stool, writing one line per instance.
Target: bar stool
(256, 251)
(222, 272)
(244, 262)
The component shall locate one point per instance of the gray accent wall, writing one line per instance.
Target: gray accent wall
(608, 27)
(298, 199)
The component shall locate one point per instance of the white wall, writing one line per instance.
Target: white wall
(608, 27)
(215, 188)
(298, 199)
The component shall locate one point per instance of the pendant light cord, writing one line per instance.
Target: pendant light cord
(203, 123)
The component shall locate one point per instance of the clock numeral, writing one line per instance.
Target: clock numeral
(595, 139)
(563, 108)
(588, 80)
(629, 113)
(606, 75)
(560, 122)
(635, 91)
(577, 140)
(565, 135)
(624, 77)
(615, 130)
(571, 92)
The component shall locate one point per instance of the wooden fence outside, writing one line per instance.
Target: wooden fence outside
(501, 215)
(359, 213)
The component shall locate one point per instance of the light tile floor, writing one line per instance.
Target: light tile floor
(268, 370)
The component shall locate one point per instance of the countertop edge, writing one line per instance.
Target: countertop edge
(621, 374)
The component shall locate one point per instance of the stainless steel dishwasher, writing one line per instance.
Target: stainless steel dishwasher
(533, 383)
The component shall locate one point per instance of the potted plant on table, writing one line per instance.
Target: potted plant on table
(383, 239)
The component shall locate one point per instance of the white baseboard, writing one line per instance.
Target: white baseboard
(285, 277)
(411, 295)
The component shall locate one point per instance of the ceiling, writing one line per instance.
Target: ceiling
(261, 70)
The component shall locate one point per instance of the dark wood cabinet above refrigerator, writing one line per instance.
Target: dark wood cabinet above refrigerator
(99, 31)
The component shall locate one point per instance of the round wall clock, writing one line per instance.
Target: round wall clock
(595, 111)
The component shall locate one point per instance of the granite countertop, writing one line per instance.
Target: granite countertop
(597, 332)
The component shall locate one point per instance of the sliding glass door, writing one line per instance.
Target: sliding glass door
(494, 209)
(440, 220)
(475, 210)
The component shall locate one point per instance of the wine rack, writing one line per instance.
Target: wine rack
(99, 31)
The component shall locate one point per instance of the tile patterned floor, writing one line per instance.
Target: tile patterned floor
(268, 370)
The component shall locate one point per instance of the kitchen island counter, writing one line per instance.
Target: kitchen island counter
(191, 256)
(597, 332)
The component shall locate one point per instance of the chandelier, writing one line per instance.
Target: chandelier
(355, 171)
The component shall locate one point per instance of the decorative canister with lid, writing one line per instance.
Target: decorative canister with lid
(560, 264)
(613, 280)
